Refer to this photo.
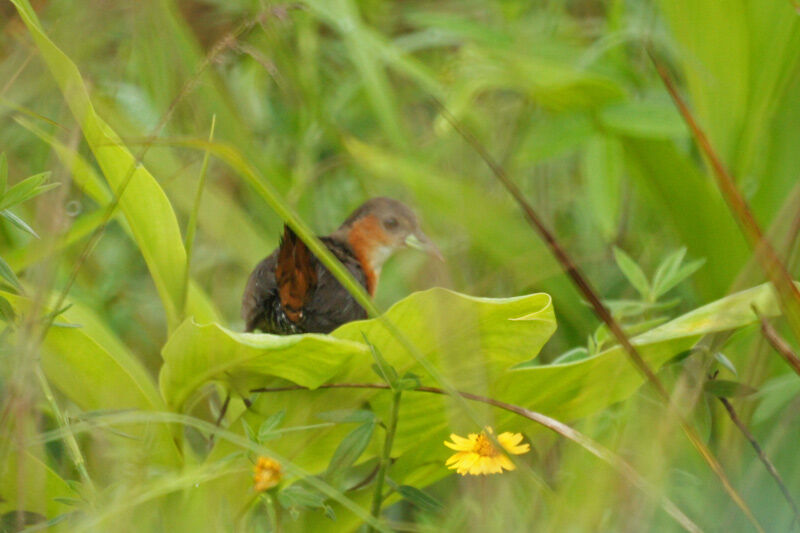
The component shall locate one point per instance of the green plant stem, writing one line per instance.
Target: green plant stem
(377, 496)
(69, 436)
(191, 226)
(272, 513)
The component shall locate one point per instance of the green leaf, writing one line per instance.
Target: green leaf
(298, 495)
(775, 394)
(95, 370)
(725, 362)
(409, 381)
(3, 173)
(265, 430)
(603, 166)
(7, 274)
(248, 431)
(666, 270)
(421, 499)
(195, 355)
(384, 370)
(670, 272)
(570, 356)
(644, 119)
(73, 502)
(631, 308)
(508, 331)
(7, 313)
(633, 272)
(146, 207)
(18, 222)
(727, 389)
(25, 190)
(347, 416)
(350, 449)
(568, 392)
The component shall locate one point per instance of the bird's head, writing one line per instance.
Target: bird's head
(378, 228)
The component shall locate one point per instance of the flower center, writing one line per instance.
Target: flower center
(483, 446)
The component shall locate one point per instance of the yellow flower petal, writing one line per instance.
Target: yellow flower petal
(460, 443)
(509, 439)
(478, 456)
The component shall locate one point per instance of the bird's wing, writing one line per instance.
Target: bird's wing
(260, 287)
(295, 275)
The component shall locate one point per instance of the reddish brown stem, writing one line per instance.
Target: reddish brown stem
(762, 456)
(778, 343)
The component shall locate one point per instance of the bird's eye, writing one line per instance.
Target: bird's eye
(391, 223)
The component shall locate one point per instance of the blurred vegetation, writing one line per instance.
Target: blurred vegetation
(116, 360)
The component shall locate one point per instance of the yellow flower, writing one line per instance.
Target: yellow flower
(267, 474)
(478, 456)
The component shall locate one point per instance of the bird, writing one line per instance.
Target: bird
(292, 292)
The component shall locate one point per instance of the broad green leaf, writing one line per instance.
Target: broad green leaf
(146, 207)
(196, 354)
(633, 272)
(644, 119)
(347, 415)
(42, 484)
(583, 387)
(465, 336)
(603, 166)
(717, 74)
(572, 390)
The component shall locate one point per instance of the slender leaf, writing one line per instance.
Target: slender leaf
(633, 272)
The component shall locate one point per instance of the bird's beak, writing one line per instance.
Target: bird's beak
(420, 241)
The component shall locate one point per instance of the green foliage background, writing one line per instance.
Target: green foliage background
(317, 106)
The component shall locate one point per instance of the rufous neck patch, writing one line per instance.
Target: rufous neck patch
(367, 238)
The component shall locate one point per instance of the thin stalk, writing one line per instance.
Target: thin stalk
(762, 457)
(377, 495)
(596, 449)
(777, 342)
(69, 437)
(582, 283)
(272, 513)
(191, 226)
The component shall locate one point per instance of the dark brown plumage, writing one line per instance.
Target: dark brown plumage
(290, 291)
